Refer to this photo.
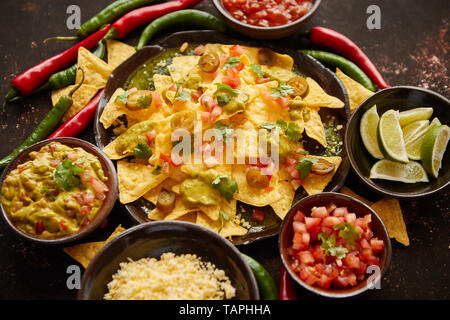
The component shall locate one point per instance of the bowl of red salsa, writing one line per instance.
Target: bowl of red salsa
(266, 19)
(334, 245)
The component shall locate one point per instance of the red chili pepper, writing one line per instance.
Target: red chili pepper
(37, 75)
(75, 125)
(338, 42)
(287, 288)
(143, 16)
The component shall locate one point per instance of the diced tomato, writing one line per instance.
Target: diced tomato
(351, 279)
(198, 51)
(299, 216)
(98, 186)
(328, 230)
(78, 198)
(330, 221)
(151, 137)
(39, 228)
(165, 158)
(377, 245)
(311, 222)
(85, 221)
(298, 242)
(215, 113)
(262, 80)
(234, 71)
(319, 212)
(173, 87)
(306, 238)
(206, 116)
(364, 243)
(236, 50)
(283, 102)
(84, 210)
(196, 95)
(156, 98)
(362, 268)
(373, 261)
(258, 215)
(340, 212)
(324, 282)
(299, 227)
(311, 279)
(54, 163)
(88, 198)
(366, 253)
(305, 257)
(340, 281)
(72, 156)
(352, 261)
(318, 253)
(350, 217)
(223, 59)
(63, 225)
(231, 81)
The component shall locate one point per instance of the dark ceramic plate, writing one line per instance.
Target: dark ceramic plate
(353, 205)
(305, 64)
(397, 98)
(155, 238)
(108, 169)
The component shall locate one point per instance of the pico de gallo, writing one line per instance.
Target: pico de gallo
(267, 13)
(56, 192)
(332, 247)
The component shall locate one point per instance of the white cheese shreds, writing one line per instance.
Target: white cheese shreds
(172, 277)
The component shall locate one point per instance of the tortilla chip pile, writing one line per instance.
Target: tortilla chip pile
(179, 102)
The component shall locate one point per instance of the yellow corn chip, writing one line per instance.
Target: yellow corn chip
(162, 82)
(390, 212)
(229, 228)
(96, 71)
(181, 66)
(357, 93)
(118, 52)
(135, 180)
(282, 206)
(80, 98)
(113, 110)
(316, 183)
(317, 97)
(314, 127)
(350, 193)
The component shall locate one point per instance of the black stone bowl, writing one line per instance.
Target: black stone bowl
(155, 238)
(398, 98)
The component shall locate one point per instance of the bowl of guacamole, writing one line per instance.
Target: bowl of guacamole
(58, 190)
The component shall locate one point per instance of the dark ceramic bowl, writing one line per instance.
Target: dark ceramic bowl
(353, 205)
(265, 33)
(108, 204)
(306, 65)
(154, 239)
(397, 98)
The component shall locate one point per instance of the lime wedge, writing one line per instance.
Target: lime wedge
(433, 149)
(410, 172)
(414, 129)
(368, 129)
(414, 144)
(409, 116)
(390, 137)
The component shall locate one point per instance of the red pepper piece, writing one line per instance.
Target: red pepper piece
(39, 227)
(145, 15)
(37, 75)
(338, 42)
(75, 125)
(287, 288)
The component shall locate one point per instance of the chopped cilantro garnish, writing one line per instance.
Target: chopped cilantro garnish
(142, 151)
(222, 217)
(282, 90)
(268, 126)
(224, 129)
(329, 246)
(157, 170)
(66, 175)
(223, 100)
(226, 186)
(48, 193)
(257, 69)
(123, 98)
(348, 232)
(181, 94)
(226, 88)
(144, 102)
(282, 124)
(231, 62)
(293, 131)
(304, 166)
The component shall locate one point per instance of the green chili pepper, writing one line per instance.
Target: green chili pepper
(189, 17)
(46, 126)
(348, 67)
(112, 12)
(57, 80)
(267, 286)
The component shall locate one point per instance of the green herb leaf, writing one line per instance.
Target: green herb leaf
(282, 124)
(226, 186)
(223, 100)
(181, 94)
(329, 246)
(123, 98)
(304, 166)
(293, 131)
(282, 90)
(257, 69)
(222, 217)
(142, 151)
(144, 102)
(231, 62)
(157, 170)
(348, 232)
(224, 129)
(66, 175)
(48, 193)
(268, 126)
(227, 88)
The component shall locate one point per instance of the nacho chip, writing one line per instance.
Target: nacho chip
(357, 93)
(317, 97)
(282, 206)
(135, 180)
(229, 228)
(118, 52)
(316, 183)
(314, 127)
(181, 66)
(80, 98)
(96, 71)
(350, 193)
(113, 110)
(390, 212)
(162, 82)
(85, 252)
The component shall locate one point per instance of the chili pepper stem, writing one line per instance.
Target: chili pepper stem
(71, 38)
(78, 86)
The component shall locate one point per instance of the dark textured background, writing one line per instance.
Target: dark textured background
(412, 48)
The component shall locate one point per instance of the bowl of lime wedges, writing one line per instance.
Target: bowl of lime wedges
(397, 142)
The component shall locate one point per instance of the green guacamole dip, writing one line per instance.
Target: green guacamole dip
(56, 192)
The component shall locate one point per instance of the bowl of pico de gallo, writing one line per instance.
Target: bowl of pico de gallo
(266, 19)
(334, 245)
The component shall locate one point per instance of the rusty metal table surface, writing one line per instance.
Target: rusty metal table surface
(411, 48)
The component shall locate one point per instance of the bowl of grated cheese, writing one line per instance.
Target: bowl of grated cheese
(168, 260)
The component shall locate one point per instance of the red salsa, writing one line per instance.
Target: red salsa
(332, 247)
(267, 13)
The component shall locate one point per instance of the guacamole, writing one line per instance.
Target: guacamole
(56, 192)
